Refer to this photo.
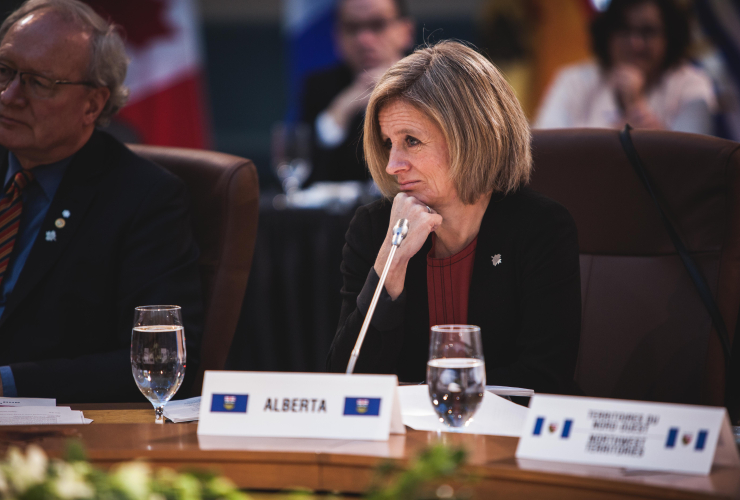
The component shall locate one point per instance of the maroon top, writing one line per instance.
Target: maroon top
(448, 285)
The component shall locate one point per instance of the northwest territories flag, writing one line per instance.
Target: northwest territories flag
(686, 439)
(552, 428)
(232, 403)
(369, 407)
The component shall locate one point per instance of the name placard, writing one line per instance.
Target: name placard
(631, 434)
(300, 405)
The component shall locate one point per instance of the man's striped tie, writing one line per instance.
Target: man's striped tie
(10, 217)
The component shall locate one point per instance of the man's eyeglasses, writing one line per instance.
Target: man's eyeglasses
(375, 26)
(36, 85)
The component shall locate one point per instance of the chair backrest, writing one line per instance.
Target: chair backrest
(645, 332)
(224, 193)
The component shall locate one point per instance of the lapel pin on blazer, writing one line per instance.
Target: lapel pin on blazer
(65, 214)
(496, 259)
(60, 223)
(51, 235)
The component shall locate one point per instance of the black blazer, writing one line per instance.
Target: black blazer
(346, 162)
(528, 307)
(66, 329)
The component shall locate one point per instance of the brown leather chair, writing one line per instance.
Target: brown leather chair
(645, 333)
(224, 193)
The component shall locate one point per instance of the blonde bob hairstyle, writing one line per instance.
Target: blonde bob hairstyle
(482, 121)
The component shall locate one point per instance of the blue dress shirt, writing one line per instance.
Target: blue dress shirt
(36, 200)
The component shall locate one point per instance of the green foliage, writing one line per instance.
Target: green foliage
(75, 451)
(32, 476)
(434, 474)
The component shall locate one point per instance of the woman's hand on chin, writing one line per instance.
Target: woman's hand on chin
(421, 223)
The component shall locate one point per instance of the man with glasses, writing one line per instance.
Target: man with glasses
(88, 230)
(371, 36)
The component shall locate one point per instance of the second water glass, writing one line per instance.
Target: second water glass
(456, 373)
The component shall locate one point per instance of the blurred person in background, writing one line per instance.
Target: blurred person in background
(448, 144)
(641, 77)
(371, 36)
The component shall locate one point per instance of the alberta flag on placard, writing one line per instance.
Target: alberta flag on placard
(235, 403)
(369, 407)
(167, 102)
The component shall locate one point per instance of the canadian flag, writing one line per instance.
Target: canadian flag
(167, 102)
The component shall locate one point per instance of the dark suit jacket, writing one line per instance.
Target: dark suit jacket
(66, 329)
(528, 307)
(346, 162)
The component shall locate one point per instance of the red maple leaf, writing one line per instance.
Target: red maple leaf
(142, 20)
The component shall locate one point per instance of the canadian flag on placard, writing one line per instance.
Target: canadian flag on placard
(167, 102)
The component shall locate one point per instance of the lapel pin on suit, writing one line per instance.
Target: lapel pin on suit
(51, 235)
(60, 222)
(496, 259)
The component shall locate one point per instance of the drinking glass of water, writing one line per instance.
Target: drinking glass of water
(456, 373)
(291, 154)
(158, 354)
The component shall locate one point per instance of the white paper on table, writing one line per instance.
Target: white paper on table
(185, 410)
(41, 415)
(495, 416)
(502, 390)
(27, 402)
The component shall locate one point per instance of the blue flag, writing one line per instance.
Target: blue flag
(308, 27)
(232, 403)
(368, 407)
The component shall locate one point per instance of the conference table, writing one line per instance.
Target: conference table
(126, 431)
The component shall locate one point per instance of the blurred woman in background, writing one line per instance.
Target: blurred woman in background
(642, 76)
(448, 144)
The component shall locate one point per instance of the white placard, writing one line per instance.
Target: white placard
(300, 405)
(631, 434)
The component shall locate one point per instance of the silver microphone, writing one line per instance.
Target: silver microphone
(400, 230)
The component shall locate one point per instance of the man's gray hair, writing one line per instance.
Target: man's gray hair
(108, 60)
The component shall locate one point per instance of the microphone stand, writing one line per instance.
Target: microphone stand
(400, 230)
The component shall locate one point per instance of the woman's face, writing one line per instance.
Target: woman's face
(641, 42)
(419, 158)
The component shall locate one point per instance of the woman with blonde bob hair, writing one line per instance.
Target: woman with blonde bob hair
(447, 141)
